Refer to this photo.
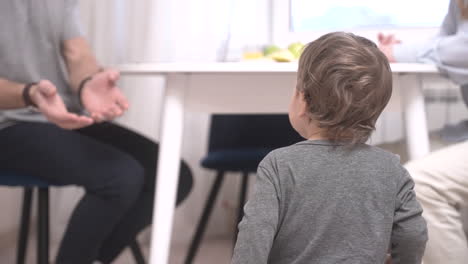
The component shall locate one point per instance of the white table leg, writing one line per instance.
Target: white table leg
(417, 132)
(168, 167)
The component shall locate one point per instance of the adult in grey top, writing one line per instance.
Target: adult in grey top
(31, 44)
(318, 202)
(45, 61)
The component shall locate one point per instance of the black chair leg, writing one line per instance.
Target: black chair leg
(24, 228)
(43, 227)
(194, 245)
(136, 251)
(242, 198)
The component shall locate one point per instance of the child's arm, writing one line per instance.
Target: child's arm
(409, 234)
(258, 227)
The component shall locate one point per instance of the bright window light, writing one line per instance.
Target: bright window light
(314, 15)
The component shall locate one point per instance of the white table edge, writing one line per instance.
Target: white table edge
(245, 67)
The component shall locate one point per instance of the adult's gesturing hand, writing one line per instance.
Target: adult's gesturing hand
(386, 44)
(463, 8)
(45, 96)
(102, 98)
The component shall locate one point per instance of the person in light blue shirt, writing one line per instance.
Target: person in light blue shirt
(448, 50)
(441, 178)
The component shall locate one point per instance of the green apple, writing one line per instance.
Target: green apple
(296, 49)
(283, 56)
(270, 49)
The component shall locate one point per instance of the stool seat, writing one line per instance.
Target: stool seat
(21, 180)
(245, 159)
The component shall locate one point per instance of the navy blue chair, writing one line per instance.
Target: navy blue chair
(30, 183)
(237, 143)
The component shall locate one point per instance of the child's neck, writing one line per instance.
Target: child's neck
(316, 137)
(313, 132)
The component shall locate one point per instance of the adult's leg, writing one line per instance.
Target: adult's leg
(139, 216)
(441, 185)
(113, 180)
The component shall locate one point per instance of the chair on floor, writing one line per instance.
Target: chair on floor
(29, 184)
(237, 143)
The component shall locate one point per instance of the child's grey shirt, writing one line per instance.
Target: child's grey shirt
(316, 202)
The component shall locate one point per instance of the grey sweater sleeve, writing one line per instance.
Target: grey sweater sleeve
(409, 233)
(449, 25)
(259, 225)
(71, 21)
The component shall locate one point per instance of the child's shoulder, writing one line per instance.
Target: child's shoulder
(383, 156)
(363, 153)
(374, 158)
(283, 152)
(273, 157)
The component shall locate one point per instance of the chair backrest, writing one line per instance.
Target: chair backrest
(251, 131)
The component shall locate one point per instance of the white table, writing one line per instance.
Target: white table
(244, 87)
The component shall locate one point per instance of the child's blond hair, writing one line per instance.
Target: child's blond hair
(347, 82)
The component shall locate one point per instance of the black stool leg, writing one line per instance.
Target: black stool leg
(136, 251)
(24, 228)
(242, 196)
(43, 227)
(204, 219)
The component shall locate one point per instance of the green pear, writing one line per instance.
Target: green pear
(270, 50)
(296, 49)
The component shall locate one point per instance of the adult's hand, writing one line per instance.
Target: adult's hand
(386, 45)
(463, 9)
(45, 96)
(102, 98)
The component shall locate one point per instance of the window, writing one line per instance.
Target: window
(309, 15)
(305, 20)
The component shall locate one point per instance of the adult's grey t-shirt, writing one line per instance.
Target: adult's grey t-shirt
(31, 36)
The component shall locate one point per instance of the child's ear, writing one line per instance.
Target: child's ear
(303, 111)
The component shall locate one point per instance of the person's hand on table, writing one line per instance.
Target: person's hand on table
(386, 45)
(102, 98)
(463, 9)
(50, 104)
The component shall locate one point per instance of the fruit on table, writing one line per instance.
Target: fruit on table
(283, 56)
(252, 55)
(270, 50)
(274, 52)
(296, 49)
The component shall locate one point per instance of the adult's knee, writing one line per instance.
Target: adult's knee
(123, 181)
(419, 173)
(130, 181)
